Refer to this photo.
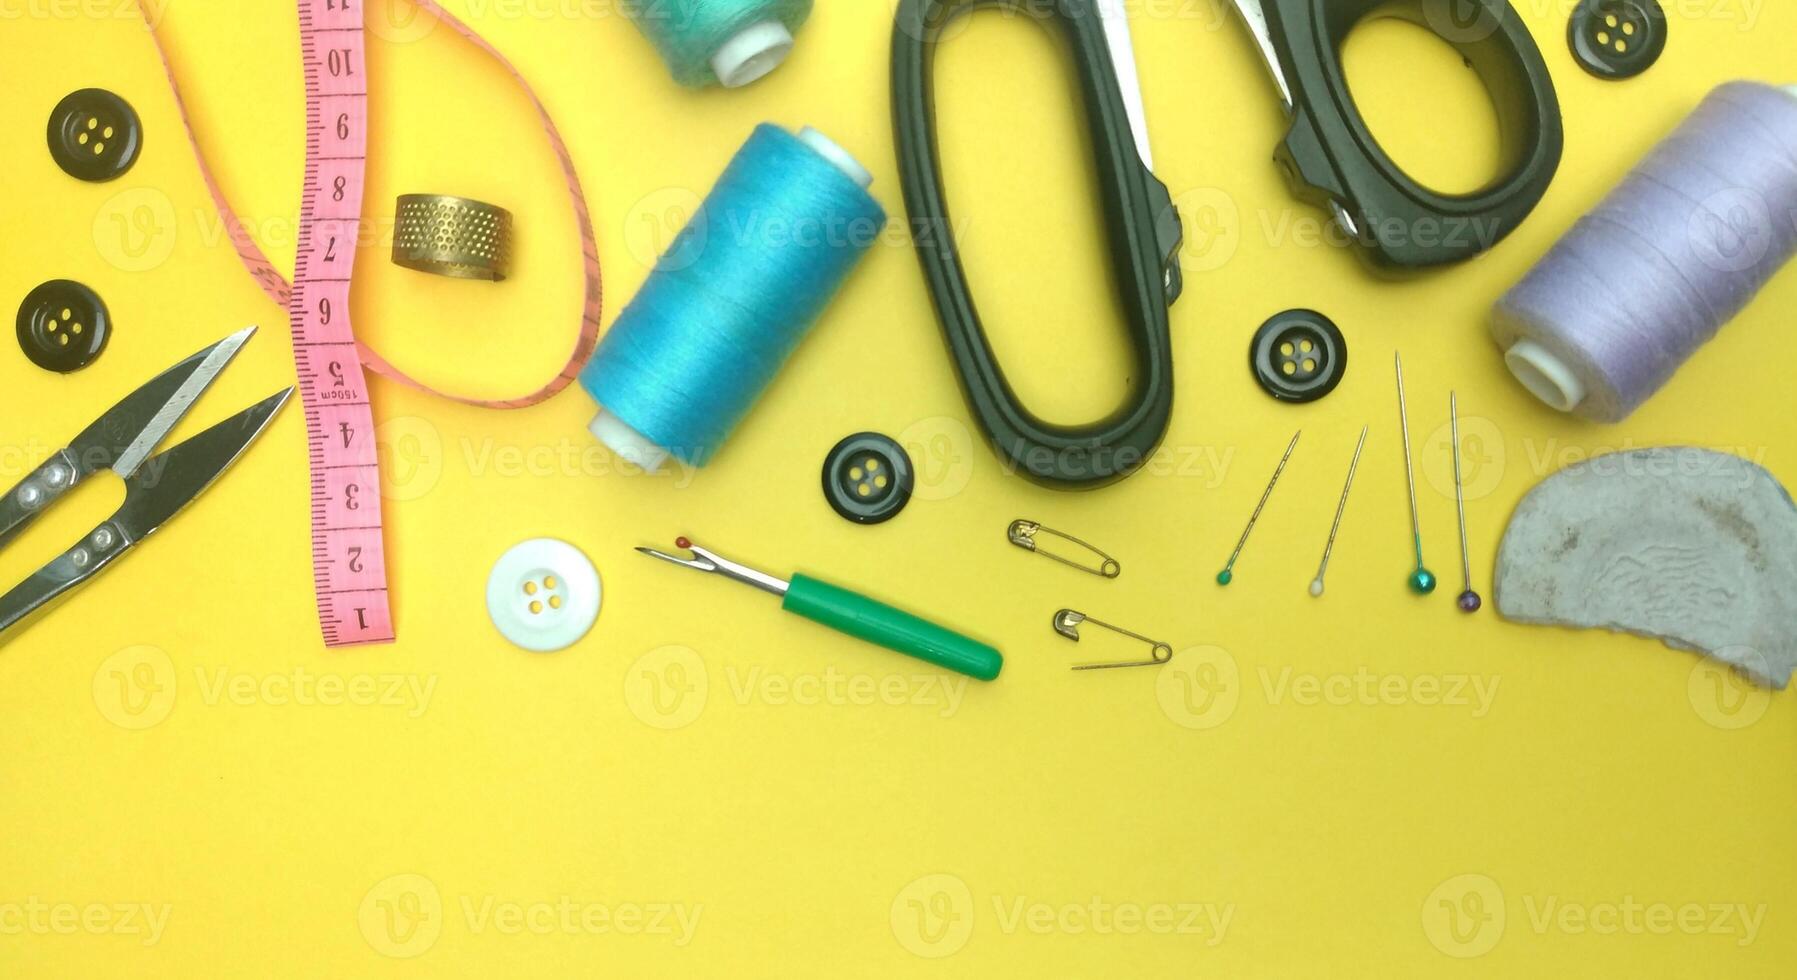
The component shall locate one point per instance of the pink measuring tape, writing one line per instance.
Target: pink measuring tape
(349, 567)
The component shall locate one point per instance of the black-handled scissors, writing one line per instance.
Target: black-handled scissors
(1332, 160)
(1143, 231)
(156, 487)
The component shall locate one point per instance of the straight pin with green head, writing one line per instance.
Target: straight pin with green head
(1316, 584)
(1422, 581)
(1227, 575)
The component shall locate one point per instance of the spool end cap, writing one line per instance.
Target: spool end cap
(751, 53)
(1545, 375)
(839, 157)
(629, 445)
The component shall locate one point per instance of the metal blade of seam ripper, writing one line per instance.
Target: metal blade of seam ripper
(348, 553)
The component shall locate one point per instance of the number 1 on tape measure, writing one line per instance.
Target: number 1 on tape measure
(348, 558)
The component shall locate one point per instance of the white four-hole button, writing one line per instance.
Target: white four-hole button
(543, 595)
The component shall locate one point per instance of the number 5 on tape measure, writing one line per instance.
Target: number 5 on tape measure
(349, 561)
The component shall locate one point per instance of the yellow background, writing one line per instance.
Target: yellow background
(1251, 778)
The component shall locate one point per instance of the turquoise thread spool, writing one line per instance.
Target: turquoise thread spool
(731, 298)
(725, 42)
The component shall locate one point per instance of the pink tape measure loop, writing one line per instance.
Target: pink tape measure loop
(348, 553)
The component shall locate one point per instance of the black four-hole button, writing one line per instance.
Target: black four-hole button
(94, 135)
(1617, 39)
(868, 478)
(1298, 356)
(63, 326)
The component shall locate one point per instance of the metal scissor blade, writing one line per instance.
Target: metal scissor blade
(169, 481)
(124, 437)
(1254, 16)
(1129, 83)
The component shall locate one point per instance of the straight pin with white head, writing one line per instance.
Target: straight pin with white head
(1227, 575)
(1469, 600)
(1316, 584)
(1422, 581)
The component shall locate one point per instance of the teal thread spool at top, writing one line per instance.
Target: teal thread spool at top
(731, 298)
(725, 42)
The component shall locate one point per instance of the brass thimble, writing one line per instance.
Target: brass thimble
(452, 236)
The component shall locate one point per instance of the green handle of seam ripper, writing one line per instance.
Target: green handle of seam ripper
(851, 613)
(866, 619)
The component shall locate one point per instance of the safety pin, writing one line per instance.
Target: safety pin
(1023, 534)
(1067, 623)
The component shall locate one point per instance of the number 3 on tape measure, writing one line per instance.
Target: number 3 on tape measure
(348, 558)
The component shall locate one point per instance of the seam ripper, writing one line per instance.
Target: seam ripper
(853, 614)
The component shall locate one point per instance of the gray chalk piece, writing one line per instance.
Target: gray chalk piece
(1692, 547)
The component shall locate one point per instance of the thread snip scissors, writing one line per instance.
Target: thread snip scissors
(156, 487)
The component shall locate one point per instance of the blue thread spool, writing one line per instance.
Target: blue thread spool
(730, 300)
(726, 42)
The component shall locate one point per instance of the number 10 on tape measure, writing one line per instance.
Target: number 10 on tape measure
(348, 558)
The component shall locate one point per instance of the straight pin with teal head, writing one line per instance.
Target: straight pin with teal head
(1422, 581)
(1227, 575)
(1316, 584)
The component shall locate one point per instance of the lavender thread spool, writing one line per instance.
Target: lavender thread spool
(1670, 256)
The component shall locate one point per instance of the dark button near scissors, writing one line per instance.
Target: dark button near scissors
(868, 478)
(63, 326)
(1298, 356)
(1617, 39)
(94, 135)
